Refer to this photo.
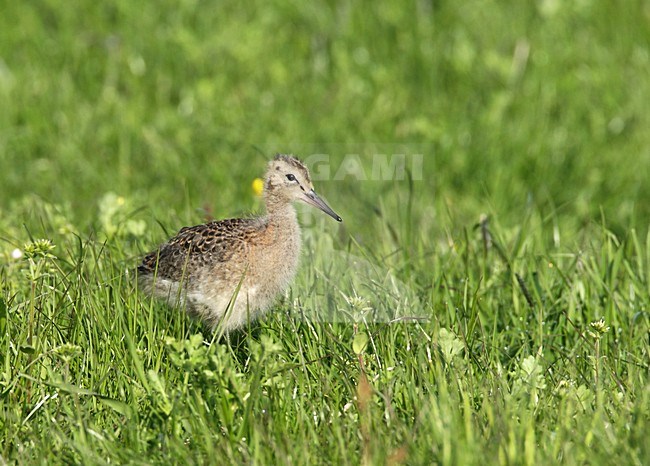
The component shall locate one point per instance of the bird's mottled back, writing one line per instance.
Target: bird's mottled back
(199, 246)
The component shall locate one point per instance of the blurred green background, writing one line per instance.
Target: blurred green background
(176, 103)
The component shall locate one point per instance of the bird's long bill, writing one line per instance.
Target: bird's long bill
(314, 199)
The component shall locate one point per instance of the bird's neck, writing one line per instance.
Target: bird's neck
(280, 212)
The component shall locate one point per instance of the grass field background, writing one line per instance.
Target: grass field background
(121, 122)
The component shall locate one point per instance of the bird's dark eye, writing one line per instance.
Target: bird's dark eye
(290, 177)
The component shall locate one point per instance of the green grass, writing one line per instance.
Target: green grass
(120, 122)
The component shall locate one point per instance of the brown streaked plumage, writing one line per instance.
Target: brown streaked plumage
(230, 271)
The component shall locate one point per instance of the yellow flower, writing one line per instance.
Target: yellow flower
(258, 186)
